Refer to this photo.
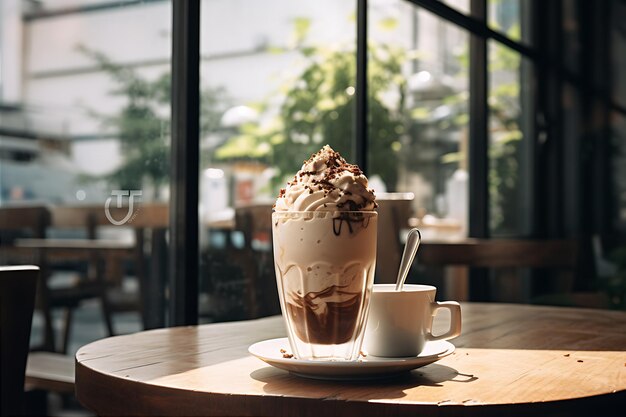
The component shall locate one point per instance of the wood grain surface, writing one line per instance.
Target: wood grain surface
(510, 359)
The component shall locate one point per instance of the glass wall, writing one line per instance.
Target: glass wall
(618, 150)
(85, 123)
(512, 18)
(618, 119)
(277, 83)
(84, 147)
(618, 45)
(510, 121)
(418, 125)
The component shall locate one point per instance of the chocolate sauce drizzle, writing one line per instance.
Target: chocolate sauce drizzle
(334, 325)
(353, 220)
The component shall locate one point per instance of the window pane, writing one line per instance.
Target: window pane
(418, 135)
(512, 18)
(618, 55)
(84, 124)
(618, 145)
(419, 114)
(277, 84)
(571, 35)
(510, 118)
(572, 104)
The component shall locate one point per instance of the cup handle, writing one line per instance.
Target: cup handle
(455, 320)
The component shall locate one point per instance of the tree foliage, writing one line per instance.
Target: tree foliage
(318, 107)
(143, 124)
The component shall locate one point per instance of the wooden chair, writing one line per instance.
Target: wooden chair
(255, 222)
(499, 253)
(30, 222)
(17, 302)
(254, 258)
(558, 254)
(149, 223)
(98, 256)
(30, 225)
(17, 222)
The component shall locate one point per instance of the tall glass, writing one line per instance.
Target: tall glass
(325, 262)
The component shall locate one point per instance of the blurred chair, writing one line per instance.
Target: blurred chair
(29, 243)
(604, 267)
(498, 253)
(394, 211)
(240, 280)
(104, 258)
(255, 257)
(563, 255)
(17, 300)
(27, 222)
(19, 222)
(147, 254)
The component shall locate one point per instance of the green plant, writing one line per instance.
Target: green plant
(506, 138)
(318, 108)
(142, 124)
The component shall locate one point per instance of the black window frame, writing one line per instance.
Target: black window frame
(550, 198)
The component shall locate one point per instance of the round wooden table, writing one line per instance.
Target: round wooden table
(510, 360)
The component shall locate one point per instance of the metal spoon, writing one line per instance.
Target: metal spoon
(413, 240)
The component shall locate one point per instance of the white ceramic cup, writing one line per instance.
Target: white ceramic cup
(400, 322)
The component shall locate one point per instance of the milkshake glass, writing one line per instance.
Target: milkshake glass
(325, 262)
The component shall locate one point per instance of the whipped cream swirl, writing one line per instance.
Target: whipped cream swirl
(326, 182)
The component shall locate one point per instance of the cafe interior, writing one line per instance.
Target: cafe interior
(143, 144)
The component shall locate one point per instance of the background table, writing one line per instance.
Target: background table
(511, 359)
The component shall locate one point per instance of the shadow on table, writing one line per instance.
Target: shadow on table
(277, 381)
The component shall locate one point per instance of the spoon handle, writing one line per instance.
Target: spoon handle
(413, 240)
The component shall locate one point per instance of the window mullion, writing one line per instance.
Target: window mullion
(478, 144)
(184, 180)
(478, 158)
(361, 109)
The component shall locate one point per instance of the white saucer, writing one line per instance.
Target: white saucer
(366, 367)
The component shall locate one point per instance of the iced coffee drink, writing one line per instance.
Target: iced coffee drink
(324, 234)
